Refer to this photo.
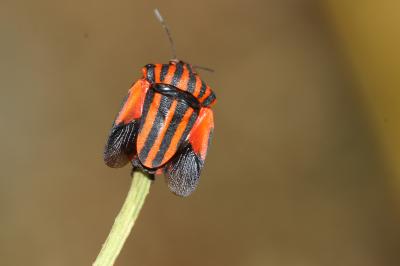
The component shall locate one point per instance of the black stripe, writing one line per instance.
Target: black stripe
(164, 71)
(146, 106)
(189, 67)
(181, 108)
(202, 89)
(163, 109)
(189, 127)
(210, 98)
(150, 73)
(177, 75)
(191, 83)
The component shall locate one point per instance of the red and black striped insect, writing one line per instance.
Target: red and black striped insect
(165, 124)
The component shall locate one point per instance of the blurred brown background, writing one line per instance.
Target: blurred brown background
(302, 169)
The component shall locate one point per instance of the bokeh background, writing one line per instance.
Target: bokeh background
(303, 168)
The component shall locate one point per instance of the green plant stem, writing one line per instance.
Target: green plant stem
(125, 220)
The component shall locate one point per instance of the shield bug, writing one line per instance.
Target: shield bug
(165, 124)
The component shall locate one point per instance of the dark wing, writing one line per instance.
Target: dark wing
(120, 147)
(183, 171)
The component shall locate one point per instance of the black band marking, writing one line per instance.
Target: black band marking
(180, 111)
(191, 83)
(164, 71)
(177, 75)
(210, 98)
(189, 126)
(202, 89)
(150, 73)
(146, 106)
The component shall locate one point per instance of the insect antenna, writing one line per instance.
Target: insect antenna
(171, 41)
